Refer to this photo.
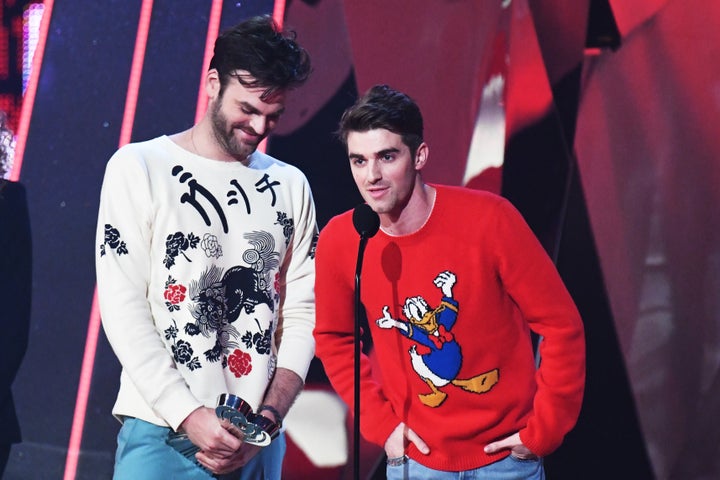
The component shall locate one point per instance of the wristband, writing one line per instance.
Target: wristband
(266, 425)
(397, 461)
(273, 410)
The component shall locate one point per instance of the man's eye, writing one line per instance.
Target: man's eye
(388, 157)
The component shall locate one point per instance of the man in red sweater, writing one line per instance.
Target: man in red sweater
(453, 284)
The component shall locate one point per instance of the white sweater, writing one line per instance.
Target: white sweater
(205, 273)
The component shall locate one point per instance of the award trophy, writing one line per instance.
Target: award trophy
(237, 416)
(246, 425)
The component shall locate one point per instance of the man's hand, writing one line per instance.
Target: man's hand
(399, 438)
(218, 447)
(222, 465)
(205, 430)
(513, 443)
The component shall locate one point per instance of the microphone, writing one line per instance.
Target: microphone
(367, 224)
(365, 220)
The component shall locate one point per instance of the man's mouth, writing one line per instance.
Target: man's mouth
(377, 192)
(249, 136)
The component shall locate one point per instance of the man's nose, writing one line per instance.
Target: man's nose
(373, 172)
(258, 123)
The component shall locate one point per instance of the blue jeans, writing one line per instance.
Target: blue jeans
(509, 468)
(143, 454)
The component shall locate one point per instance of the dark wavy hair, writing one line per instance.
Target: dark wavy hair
(386, 108)
(274, 60)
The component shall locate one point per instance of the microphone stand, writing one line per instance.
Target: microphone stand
(358, 314)
(367, 224)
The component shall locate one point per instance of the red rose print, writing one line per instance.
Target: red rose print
(240, 363)
(175, 293)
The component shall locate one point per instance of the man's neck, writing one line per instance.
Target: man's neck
(414, 215)
(199, 140)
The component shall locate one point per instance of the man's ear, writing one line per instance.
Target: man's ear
(212, 84)
(421, 156)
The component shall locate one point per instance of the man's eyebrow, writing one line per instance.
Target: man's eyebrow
(385, 151)
(378, 154)
(252, 109)
(248, 106)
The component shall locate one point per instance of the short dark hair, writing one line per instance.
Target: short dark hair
(384, 107)
(273, 58)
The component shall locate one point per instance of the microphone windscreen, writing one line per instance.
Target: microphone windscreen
(365, 220)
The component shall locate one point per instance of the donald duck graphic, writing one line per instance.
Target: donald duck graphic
(437, 356)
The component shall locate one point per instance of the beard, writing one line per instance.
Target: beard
(224, 134)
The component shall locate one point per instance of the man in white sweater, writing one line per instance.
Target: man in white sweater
(205, 270)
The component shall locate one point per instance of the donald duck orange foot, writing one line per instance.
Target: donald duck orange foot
(478, 384)
(434, 399)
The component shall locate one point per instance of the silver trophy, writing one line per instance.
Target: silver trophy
(247, 426)
(239, 419)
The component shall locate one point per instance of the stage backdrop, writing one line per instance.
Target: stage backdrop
(609, 154)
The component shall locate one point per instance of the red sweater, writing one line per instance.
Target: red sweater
(456, 365)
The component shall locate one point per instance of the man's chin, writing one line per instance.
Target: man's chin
(244, 149)
(250, 143)
(375, 206)
(245, 138)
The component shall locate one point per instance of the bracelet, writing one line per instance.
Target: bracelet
(397, 461)
(273, 410)
(266, 425)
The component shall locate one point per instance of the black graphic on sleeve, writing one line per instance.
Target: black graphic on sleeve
(314, 245)
(182, 351)
(288, 225)
(176, 244)
(259, 339)
(112, 239)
